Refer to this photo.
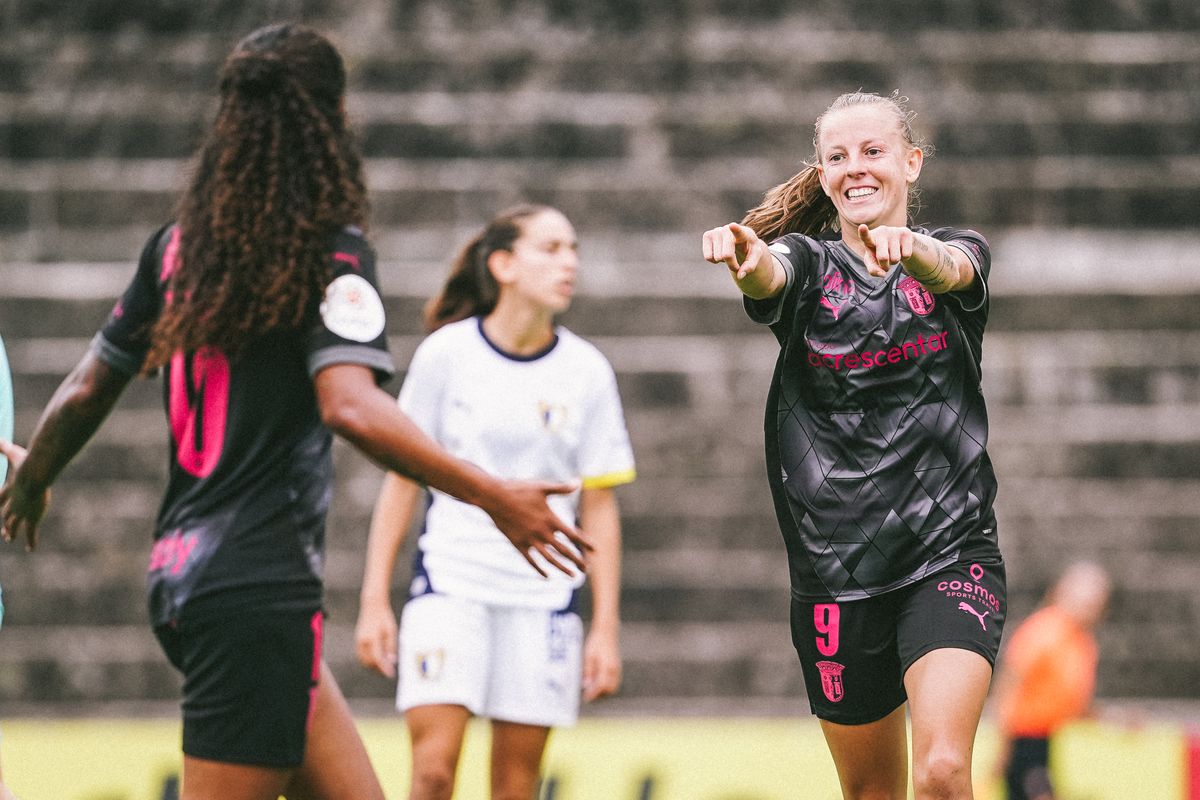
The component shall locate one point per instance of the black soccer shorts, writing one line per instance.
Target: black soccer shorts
(854, 654)
(249, 684)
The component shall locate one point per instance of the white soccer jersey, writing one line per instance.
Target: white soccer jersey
(554, 416)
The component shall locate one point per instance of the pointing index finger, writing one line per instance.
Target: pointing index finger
(741, 233)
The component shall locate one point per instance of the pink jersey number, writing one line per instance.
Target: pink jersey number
(826, 617)
(199, 402)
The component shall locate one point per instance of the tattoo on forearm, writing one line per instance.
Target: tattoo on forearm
(938, 277)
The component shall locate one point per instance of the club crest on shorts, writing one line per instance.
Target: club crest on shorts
(430, 663)
(831, 680)
(918, 297)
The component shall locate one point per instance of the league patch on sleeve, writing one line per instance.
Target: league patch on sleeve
(352, 309)
(779, 247)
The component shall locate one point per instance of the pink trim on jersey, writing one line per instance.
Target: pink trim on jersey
(170, 261)
(318, 629)
(210, 373)
(349, 258)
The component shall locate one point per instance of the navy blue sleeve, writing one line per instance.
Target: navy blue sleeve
(124, 339)
(351, 325)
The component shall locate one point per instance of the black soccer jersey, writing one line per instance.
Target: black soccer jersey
(876, 430)
(242, 521)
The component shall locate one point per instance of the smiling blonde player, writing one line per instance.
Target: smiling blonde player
(876, 433)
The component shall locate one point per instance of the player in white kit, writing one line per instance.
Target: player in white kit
(500, 385)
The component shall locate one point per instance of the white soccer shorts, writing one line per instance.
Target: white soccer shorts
(512, 664)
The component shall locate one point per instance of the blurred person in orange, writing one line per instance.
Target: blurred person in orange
(1048, 676)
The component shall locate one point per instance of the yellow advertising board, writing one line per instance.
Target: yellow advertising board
(601, 759)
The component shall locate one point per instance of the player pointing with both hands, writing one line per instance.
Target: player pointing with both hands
(875, 442)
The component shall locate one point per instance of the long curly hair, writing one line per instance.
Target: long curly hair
(799, 204)
(276, 177)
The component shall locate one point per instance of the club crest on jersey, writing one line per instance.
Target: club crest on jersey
(918, 297)
(831, 680)
(430, 663)
(552, 415)
(836, 292)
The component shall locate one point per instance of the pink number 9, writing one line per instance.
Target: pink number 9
(826, 617)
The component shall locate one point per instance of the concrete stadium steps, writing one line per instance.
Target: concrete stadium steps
(1066, 132)
(107, 16)
(102, 210)
(1094, 401)
(625, 128)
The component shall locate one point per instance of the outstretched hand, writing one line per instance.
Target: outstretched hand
(886, 247)
(601, 666)
(375, 638)
(523, 516)
(736, 246)
(20, 512)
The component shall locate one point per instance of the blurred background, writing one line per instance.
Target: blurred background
(1068, 133)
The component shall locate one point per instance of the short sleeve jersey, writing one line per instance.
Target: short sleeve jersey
(554, 416)
(876, 430)
(242, 520)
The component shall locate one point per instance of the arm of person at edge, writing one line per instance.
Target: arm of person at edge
(937, 266)
(753, 268)
(79, 405)
(375, 631)
(600, 516)
(353, 407)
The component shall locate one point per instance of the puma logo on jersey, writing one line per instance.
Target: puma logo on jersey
(967, 608)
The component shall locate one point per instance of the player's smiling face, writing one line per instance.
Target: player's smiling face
(866, 166)
(545, 258)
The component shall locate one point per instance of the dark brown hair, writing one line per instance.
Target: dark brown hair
(471, 289)
(799, 204)
(276, 177)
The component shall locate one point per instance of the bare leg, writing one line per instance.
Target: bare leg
(437, 736)
(871, 759)
(336, 765)
(219, 780)
(516, 759)
(946, 690)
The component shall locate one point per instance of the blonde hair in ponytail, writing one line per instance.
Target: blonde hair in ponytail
(799, 204)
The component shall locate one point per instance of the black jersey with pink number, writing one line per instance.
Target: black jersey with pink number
(876, 430)
(243, 518)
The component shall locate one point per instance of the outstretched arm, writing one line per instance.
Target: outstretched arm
(353, 407)
(938, 267)
(79, 405)
(599, 514)
(375, 632)
(754, 269)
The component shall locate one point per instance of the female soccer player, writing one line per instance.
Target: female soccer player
(500, 385)
(875, 436)
(261, 308)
